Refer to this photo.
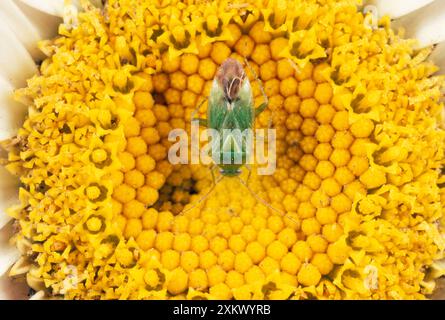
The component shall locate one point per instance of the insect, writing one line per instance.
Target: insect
(231, 113)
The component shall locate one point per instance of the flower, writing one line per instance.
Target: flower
(359, 148)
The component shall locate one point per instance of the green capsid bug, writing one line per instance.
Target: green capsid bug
(231, 113)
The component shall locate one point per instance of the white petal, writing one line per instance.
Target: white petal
(16, 64)
(438, 57)
(46, 24)
(55, 7)
(8, 194)
(21, 26)
(13, 289)
(39, 295)
(52, 7)
(397, 8)
(8, 252)
(12, 113)
(425, 24)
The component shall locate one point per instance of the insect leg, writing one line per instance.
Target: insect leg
(294, 65)
(202, 122)
(263, 106)
(265, 203)
(260, 109)
(212, 169)
(204, 197)
(249, 169)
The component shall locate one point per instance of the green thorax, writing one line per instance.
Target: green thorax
(223, 116)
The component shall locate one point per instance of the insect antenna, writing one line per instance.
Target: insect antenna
(294, 65)
(264, 202)
(266, 99)
(196, 110)
(204, 197)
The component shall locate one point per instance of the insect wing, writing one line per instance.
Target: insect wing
(217, 109)
(243, 110)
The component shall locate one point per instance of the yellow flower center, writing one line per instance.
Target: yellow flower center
(357, 185)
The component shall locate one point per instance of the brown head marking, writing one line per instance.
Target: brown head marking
(231, 77)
